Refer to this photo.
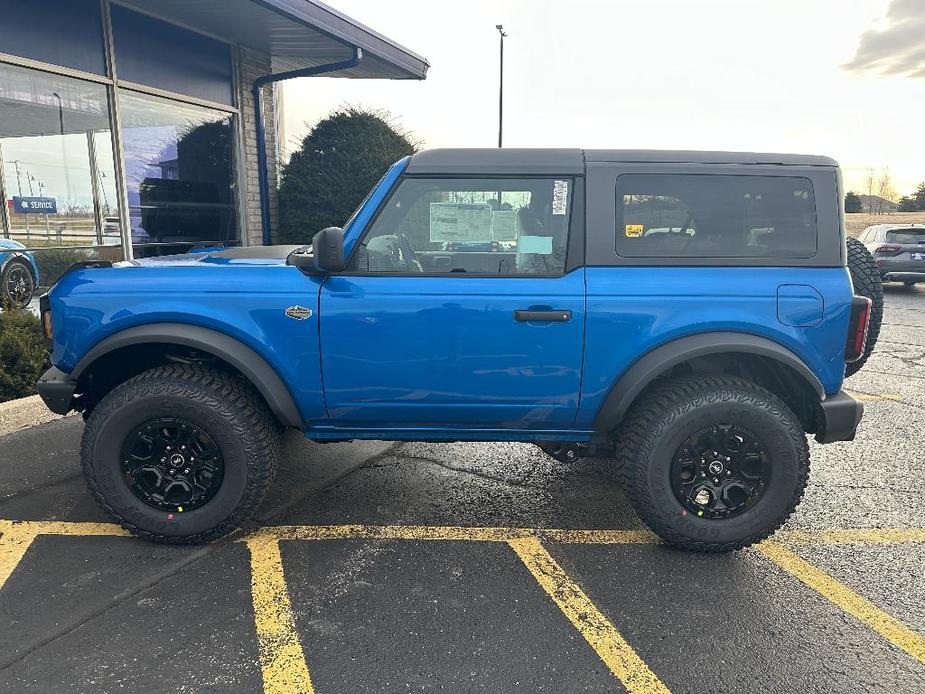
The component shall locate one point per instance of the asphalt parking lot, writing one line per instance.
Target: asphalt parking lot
(478, 567)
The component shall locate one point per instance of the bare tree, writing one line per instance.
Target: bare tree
(871, 181)
(885, 191)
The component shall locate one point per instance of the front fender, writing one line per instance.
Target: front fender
(254, 367)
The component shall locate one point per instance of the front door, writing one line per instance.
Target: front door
(458, 310)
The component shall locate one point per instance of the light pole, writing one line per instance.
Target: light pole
(67, 175)
(500, 29)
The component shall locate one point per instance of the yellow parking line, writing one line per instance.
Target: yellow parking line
(281, 658)
(612, 648)
(876, 396)
(599, 537)
(873, 536)
(394, 532)
(451, 533)
(14, 543)
(472, 533)
(843, 597)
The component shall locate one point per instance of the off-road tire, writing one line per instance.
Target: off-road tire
(6, 299)
(223, 405)
(866, 279)
(649, 438)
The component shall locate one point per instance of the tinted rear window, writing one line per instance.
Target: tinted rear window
(906, 236)
(715, 216)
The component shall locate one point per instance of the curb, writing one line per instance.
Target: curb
(23, 413)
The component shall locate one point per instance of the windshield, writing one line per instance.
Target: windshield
(906, 235)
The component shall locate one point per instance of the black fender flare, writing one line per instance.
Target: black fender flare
(661, 359)
(253, 366)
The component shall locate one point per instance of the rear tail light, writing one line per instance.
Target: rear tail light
(857, 328)
(888, 249)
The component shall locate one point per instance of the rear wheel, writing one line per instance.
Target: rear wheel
(712, 463)
(180, 454)
(865, 276)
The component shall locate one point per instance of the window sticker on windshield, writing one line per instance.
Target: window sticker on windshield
(559, 197)
(634, 231)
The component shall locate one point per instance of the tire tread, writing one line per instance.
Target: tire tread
(651, 417)
(258, 426)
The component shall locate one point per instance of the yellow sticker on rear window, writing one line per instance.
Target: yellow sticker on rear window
(633, 230)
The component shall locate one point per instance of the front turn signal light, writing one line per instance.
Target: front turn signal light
(46, 321)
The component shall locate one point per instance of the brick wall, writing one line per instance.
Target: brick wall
(251, 65)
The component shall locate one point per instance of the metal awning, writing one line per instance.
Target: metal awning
(297, 34)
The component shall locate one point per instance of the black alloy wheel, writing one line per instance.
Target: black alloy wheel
(172, 465)
(18, 284)
(720, 471)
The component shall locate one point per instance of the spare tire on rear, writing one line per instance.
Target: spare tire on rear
(865, 275)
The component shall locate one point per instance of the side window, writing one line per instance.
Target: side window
(715, 216)
(470, 225)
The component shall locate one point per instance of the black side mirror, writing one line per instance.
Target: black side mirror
(328, 249)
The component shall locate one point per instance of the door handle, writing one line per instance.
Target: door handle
(551, 316)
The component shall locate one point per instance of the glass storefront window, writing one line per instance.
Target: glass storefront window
(58, 179)
(180, 174)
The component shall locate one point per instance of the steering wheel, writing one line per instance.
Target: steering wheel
(407, 250)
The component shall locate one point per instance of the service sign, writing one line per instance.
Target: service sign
(23, 205)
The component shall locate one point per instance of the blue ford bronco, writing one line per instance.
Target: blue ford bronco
(688, 315)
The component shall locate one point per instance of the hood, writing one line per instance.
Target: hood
(252, 255)
(10, 244)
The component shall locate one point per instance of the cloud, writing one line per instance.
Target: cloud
(896, 49)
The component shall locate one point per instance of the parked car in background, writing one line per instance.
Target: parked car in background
(899, 250)
(19, 275)
(112, 232)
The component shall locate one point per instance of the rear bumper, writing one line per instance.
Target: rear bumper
(56, 390)
(841, 415)
(901, 276)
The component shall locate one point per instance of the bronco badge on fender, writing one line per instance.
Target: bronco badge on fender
(299, 312)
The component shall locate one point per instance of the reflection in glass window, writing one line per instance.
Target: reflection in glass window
(58, 172)
(484, 226)
(179, 171)
(715, 216)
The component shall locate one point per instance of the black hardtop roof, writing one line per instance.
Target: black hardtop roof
(572, 161)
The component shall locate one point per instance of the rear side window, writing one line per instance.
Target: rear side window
(906, 236)
(715, 216)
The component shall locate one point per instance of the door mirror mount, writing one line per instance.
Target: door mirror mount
(328, 249)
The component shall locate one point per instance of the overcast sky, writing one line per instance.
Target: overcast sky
(845, 79)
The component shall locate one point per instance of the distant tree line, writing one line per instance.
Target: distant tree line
(878, 201)
(914, 202)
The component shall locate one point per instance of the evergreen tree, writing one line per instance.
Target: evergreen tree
(339, 161)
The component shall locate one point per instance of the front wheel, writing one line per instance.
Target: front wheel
(712, 463)
(180, 454)
(16, 284)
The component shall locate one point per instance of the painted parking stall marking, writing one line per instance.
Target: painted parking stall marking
(600, 634)
(281, 657)
(283, 664)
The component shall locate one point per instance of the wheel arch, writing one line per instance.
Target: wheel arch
(712, 352)
(14, 254)
(241, 358)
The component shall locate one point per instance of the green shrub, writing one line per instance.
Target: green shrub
(339, 161)
(53, 263)
(22, 356)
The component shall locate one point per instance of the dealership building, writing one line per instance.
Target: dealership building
(132, 128)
